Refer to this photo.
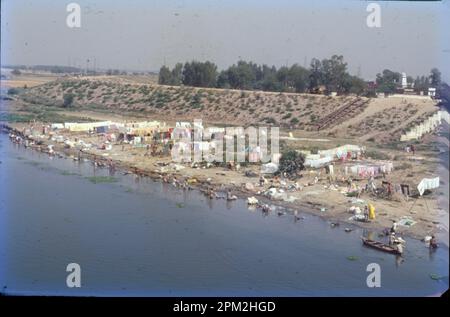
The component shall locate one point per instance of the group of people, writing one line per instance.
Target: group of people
(369, 212)
(411, 148)
(397, 241)
(393, 240)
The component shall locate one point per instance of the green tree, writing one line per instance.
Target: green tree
(177, 75)
(334, 73)
(283, 78)
(421, 83)
(200, 74)
(435, 77)
(222, 80)
(387, 81)
(165, 76)
(444, 94)
(298, 78)
(269, 80)
(315, 74)
(291, 162)
(242, 75)
(410, 80)
(354, 85)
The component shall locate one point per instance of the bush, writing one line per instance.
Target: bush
(291, 162)
(376, 155)
(270, 120)
(68, 100)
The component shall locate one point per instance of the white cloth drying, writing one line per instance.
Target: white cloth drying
(428, 183)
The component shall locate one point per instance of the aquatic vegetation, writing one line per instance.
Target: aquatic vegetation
(67, 173)
(436, 277)
(101, 179)
(10, 117)
(180, 205)
(352, 258)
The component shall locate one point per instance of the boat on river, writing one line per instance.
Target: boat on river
(380, 246)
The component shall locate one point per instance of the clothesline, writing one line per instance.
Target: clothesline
(366, 170)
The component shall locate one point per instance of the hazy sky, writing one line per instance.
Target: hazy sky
(143, 35)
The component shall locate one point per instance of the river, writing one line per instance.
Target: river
(138, 237)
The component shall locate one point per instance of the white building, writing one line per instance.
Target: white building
(432, 92)
(404, 81)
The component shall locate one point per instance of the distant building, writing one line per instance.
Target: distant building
(321, 89)
(371, 85)
(409, 91)
(432, 92)
(404, 81)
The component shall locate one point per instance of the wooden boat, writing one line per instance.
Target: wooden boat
(380, 246)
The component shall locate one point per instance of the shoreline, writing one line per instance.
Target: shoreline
(204, 185)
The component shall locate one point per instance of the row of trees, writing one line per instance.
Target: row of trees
(331, 73)
(388, 81)
(328, 74)
(197, 74)
(248, 75)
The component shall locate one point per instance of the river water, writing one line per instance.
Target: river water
(137, 237)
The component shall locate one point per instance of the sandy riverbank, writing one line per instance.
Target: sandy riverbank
(316, 196)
